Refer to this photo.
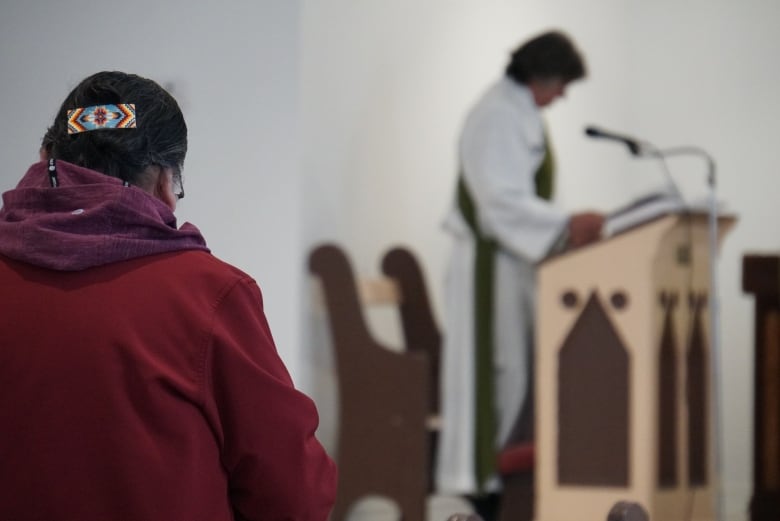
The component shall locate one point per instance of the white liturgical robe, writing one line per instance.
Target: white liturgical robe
(501, 148)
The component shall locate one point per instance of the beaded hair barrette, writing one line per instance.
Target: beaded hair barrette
(97, 117)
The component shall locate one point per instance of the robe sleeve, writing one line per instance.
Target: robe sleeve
(500, 153)
(276, 468)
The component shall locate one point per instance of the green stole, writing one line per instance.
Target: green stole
(485, 423)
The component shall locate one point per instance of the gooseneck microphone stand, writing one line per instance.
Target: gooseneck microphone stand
(643, 149)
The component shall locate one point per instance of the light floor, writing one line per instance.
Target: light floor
(442, 507)
(379, 509)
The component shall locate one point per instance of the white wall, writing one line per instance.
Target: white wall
(385, 86)
(232, 66)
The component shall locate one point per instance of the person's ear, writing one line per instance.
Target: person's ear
(43, 154)
(163, 187)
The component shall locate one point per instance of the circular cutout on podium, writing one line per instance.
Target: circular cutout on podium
(569, 299)
(619, 300)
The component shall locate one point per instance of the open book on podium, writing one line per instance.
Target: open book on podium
(650, 207)
(623, 390)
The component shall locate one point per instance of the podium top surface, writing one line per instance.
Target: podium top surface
(656, 205)
(621, 225)
(658, 224)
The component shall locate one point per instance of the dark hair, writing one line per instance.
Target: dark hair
(160, 136)
(549, 55)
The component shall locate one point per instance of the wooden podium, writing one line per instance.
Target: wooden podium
(623, 391)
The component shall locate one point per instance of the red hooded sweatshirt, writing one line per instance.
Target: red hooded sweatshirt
(138, 377)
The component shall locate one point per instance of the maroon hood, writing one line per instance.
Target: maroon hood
(90, 219)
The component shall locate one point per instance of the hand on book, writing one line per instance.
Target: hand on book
(585, 228)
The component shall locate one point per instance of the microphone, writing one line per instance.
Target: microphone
(633, 145)
(642, 149)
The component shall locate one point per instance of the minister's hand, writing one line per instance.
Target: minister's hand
(585, 228)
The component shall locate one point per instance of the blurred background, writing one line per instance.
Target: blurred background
(337, 120)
